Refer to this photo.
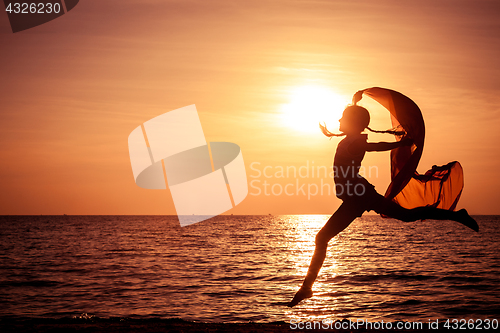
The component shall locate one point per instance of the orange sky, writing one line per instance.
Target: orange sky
(73, 89)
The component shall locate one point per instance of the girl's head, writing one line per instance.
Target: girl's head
(354, 119)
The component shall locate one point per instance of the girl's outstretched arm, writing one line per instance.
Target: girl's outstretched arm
(384, 146)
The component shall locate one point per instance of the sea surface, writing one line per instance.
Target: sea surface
(242, 268)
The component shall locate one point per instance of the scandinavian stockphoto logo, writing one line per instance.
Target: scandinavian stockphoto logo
(28, 14)
(205, 179)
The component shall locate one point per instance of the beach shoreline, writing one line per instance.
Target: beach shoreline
(45, 325)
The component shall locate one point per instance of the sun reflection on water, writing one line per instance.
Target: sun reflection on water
(339, 255)
(303, 230)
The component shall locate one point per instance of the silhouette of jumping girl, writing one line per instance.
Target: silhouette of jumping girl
(358, 195)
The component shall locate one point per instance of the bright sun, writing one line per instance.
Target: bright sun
(310, 105)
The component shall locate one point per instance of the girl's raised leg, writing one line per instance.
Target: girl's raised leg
(394, 210)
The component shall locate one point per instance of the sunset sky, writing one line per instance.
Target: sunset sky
(73, 89)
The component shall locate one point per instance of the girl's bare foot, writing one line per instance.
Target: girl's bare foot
(302, 294)
(464, 218)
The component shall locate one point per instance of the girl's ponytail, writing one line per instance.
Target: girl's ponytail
(389, 131)
(328, 133)
(360, 118)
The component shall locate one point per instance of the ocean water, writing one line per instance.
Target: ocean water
(242, 268)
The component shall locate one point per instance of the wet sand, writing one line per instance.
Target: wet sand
(164, 325)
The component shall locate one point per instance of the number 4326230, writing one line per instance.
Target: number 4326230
(33, 8)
